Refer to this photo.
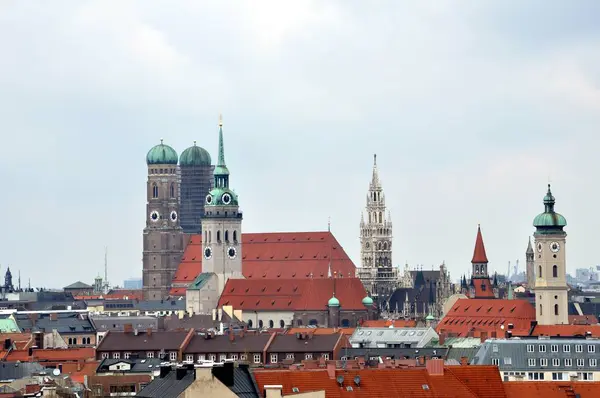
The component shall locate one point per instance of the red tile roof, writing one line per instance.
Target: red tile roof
(487, 315)
(124, 294)
(383, 323)
(21, 341)
(64, 354)
(479, 255)
(551, 389)
(320, 331)
(475, 381)
(272, 256)
(566, 330)
(292, 294)
(582, 320)
(483, 288)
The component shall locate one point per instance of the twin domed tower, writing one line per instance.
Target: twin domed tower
(177, 190)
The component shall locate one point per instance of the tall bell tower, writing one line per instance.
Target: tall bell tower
(222, 225)
(551, 299)
(163, 236)
(377, 273)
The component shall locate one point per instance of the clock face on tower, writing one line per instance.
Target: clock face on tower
(555, 247)
(207, 253)
(173, 216)
(154, 216)
(226, 198)
(231, 252)
(539, 247)
(209, 199)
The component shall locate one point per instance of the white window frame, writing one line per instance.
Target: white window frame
(531, 362)
(150, 354)
(580, 362)
(243, 357)
(554, 348)
(256, 358)
(591, 348)
(222, 357)
(326, 357)
(568, 362)
(189, 357)
(543, 362)
(274, 358)
(556, 362)
(593, 362)
(308, 356)
(566, 348)
(496, 361)
(116, 355)
(234, 357)
(126, 355)
(578, 348)
(104, 355)
(542, 348)
(201, 357)
(213, 357)
(289, 356)
(530, 348)
(173, 355)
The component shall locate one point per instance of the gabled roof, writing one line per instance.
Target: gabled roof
(310, 343)
(78, 285)
(479, 255)
(200, 344)
(388, 383)
(146, 365)
(292, 294)
(274, 255)
(155, 341)
(64, 354)
(63, 322)
(551, 389)
(565, 330)
(487, 315)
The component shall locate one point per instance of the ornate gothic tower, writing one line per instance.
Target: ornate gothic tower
(551, 301)
(529, 261)
(222, 226)
(163, 236)
(377, 273)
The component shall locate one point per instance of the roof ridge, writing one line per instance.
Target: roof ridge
(461, 381)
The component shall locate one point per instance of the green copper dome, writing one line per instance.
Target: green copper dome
(221, 197)
(333, 302)
(195, 156)
(430, 318)
(161, 154)
(549, 219)
(367, 301)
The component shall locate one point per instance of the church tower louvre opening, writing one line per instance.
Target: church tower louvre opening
(377, 272)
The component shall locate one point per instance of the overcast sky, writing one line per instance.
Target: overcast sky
(471, 106)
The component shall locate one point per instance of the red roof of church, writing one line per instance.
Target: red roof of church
(482, 292)
(551, 389)
(292, 294)
(473, 316)
(566, 330)
(277, 255)
(479, 255)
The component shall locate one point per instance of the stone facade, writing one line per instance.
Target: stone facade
(530, 266)
(377, 272)
(163, 239)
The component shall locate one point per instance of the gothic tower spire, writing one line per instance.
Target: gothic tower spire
(377, 272)
(480, 286)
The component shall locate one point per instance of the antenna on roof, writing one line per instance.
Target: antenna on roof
(329, 224)
(19, 279)
(106, 285)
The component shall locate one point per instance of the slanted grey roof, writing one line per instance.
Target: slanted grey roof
(19, 370)
(146, 365)
(78, 285)
(160, 305)
(168, 386)
(64, 322)
(514, 354)
(142, 322)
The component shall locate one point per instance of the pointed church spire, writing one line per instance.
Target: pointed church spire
(479, 255)
(529, 248)
(221, 173)
(375, 179)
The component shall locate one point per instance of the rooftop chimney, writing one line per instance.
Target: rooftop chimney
(464, 361)
(149, 331)
(435, 367)
(214, 314)
(164, 370)
(442, 339)
(53, 316)
(180, 372)
(128, 328)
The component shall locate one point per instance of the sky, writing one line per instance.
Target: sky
(471, 107)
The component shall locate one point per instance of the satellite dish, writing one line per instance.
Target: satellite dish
(56, 372)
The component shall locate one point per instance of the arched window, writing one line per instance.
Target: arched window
(70, 341)
(234, 236)
(172, 190)
(209, 236)
(226, 236)
(345, 323)
(540, 271)
(541, 310)
(380, 218)
(260, 323)
(249, 323)
(219, 236)
(555, 271)
(281, 324)
(555, 309)
(271, 324)
(205, 236)
(154, 191)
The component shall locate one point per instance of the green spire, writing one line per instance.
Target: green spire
(221, 172)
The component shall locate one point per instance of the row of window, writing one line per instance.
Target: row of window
(566, 348)
(593, 362)
(582, 376)
(162, 171)
(213, 357)
(208, 236)
(554, 271)
(155, 190)
(84, 340)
